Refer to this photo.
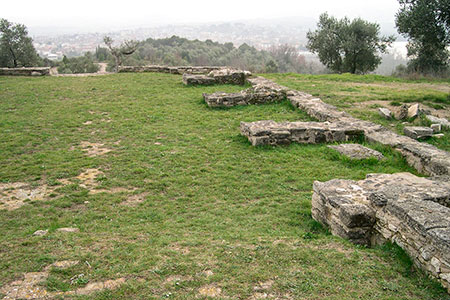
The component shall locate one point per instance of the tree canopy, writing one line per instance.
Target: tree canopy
(176, 51)
(426, 23)
(16, 47)
(348, 46)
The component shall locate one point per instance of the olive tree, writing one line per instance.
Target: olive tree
(126, 48)
(426, 24)
(348, 46)
(16, 47)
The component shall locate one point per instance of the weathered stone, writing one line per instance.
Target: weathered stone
(385, 113)
(414, 111)
(411, 211)
(34, 71)
(436, 128)
(417, 132)
(40, 232)
(357, 151)
(444, 122)
(261, 92)
(172, 70)
(68, 229)
(190, 79)
(402, 113)
(273, 133)
(221, 76)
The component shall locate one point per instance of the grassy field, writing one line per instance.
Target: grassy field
(185, 206)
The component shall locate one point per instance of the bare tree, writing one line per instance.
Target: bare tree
(128, 47)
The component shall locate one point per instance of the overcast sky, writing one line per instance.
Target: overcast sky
(101, 15)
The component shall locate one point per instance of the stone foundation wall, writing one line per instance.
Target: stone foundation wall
(273, 133)
(410, 211)
(25, 71)
(222, 76)
(171, 70)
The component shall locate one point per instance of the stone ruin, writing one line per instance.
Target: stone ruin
(411, 211)
(171, 70)
(34, 71)
(220, 76)
(273, 133)
(262, 91)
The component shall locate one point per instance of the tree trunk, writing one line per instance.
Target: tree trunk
(14, 57)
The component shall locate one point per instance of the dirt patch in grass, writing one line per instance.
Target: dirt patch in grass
(88, 178)
(94, 149)
(134, 200)
(29, 287)
(209, 291)
(15, 195)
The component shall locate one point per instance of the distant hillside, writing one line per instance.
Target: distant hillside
(176, 51)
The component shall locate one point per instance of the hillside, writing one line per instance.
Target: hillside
(172, 202)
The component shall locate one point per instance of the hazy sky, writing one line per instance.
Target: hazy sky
(111, 14)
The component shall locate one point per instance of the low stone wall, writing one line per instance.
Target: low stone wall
(253, 95)
(171, 70)
(410, 211)
(222, 76)
(424, 157)
(25, 71)
(273, 133)
(262, 91)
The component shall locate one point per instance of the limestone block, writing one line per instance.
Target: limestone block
(274, 133)
(385, 113)
(417, 132)
(444, 122)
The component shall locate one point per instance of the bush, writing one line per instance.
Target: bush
(75, 65)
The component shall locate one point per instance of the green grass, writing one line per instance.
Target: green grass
(213, 201)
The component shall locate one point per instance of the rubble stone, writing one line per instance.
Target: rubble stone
(385, 113)
(414, 111)
(436, 128)
(444, 122)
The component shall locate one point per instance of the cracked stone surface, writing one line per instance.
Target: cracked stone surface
(357, 151)
(411, 211)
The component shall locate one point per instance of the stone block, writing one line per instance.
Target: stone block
(33, 71)
(417, 132)
(298, 132)
(444, 122)
(385, 113)
(411, 211)
(436, 127)
(414, 111)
